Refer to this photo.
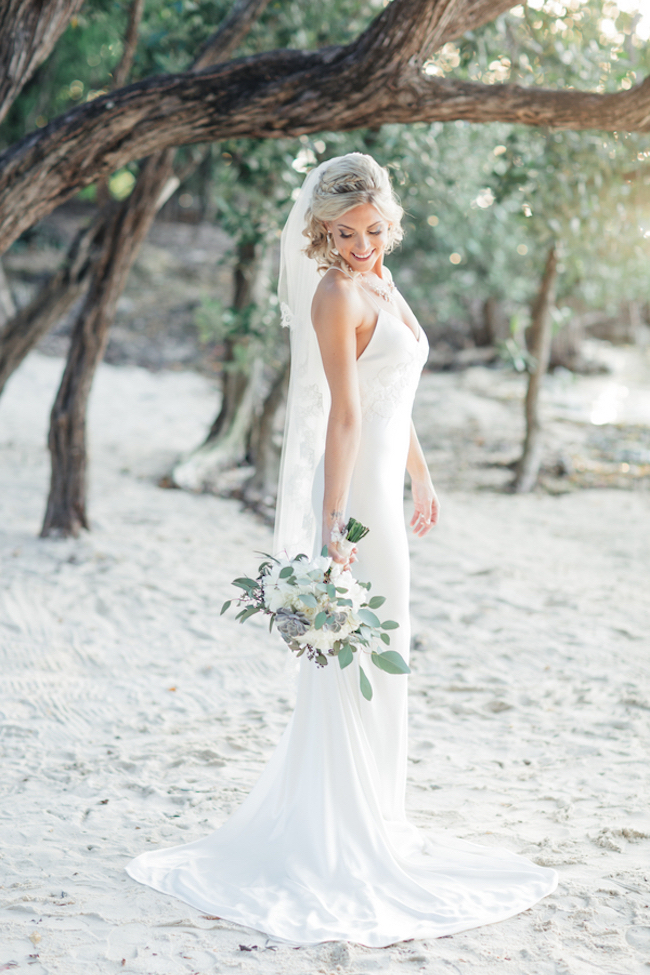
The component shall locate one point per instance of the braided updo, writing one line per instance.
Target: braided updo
(353, 180)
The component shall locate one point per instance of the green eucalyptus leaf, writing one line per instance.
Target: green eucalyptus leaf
(344, 602)
(385, 638)
(226, 605)
(322, 660)
(346, 656)
(324, 551)
(245, 583)
(366, 688)
(368, 617)
(376, 602)
(308, 599)
(320, 619)
(389, 625)
(286, 572)
(391, 661)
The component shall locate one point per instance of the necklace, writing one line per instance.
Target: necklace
(385, 289)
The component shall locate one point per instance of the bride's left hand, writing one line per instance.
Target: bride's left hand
(427, 507)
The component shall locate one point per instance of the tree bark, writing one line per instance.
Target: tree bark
(540, 348)
(260, 491)
(29, 324)
(7, 307)
(66, 507)
(29, 29)
(287, 93)
(125, 228)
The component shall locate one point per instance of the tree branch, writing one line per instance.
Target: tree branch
(229, 35)
(29, 29)
(123, 69)
(272, 95)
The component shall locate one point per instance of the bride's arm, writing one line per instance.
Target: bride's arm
(334, 313)
(425, 499)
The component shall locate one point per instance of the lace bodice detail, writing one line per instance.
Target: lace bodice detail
(389, 368)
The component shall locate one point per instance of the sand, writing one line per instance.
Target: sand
(132, 716)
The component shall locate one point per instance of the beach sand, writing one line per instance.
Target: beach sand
(133, 716)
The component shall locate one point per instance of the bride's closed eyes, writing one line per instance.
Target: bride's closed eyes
(374, 233)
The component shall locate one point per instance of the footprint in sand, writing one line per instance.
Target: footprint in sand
(638, 937)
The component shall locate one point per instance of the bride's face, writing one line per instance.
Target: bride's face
(360, 236)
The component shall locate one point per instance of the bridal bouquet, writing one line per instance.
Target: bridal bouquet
(320, 609)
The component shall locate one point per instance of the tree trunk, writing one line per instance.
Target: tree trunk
(227, 445)
(28, 325)
(260, 491)
(66, 506)
(7, 307)
(540, 348)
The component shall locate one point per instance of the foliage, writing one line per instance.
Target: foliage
(320, 610)
(482, 202)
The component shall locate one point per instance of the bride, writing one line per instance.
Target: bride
(321, 849)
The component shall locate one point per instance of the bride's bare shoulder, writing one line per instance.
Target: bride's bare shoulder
(336, 294)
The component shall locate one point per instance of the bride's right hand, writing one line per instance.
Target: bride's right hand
(339, 549)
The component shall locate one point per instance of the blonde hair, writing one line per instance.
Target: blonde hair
(351, 181)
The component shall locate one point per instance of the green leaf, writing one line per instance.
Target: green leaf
(355, 531)
(320, 619)
(346, 656)
(385, 638)
(322, 660)
(368, 617)
(286, 572)
(324, 551)
(376, 602)
(226, 605)
(247, 613)
(245, 583)
(366, 689)
(344, 602)
(341, 589)
(391, 661)
(331, 590)
(389, 625)
(308, 599)
(272, 622)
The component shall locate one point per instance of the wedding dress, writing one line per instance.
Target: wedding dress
(321, 848)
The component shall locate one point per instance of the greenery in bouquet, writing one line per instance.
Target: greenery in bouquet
(321, 610)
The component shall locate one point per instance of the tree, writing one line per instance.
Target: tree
(124, 229)
(378, 78)
(381, 76)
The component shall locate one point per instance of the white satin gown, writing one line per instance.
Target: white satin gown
(321, 849)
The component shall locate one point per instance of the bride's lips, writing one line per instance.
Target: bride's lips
(364, 257)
